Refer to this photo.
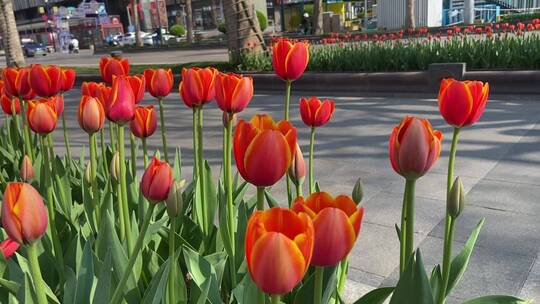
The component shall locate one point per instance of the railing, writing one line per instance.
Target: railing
(486, 13)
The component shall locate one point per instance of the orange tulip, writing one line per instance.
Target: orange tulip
(90, 88)
(157, 181)
(290, 60)
(7, 103)
(263, 150)
(145, 122)
(278, 247)
(41, 115)
(26, 171)
(113, 66)
(337, 225)
(314, 112)
(121, 102)
(103, 94)
(91, 115)
(59, 104)
(159, 82)
(197, 86)
(233, 92)
(24, 216)
(68, 79)
(16, 83)
(138, 86)
(414, 147)
(8, 248)
(46, 81)
(462, 103)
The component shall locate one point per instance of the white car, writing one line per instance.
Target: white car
(129, 38)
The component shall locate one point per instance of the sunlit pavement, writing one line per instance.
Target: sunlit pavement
(498, 160)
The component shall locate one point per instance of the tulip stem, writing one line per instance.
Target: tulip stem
(117, 295)
(276, 299)
(163, 136)
(93, 174)
(195, 145)
(103, 151)
(449, 222)
(402, 236)
(123, 186)
(111, 136)
(145, 152)
(66, 137)
(35, 271)
(133, 155)
(319, 276)
(311, 144)
(299, 189)
(172, 257)
(409, 220)
(230, 201)
(288, 85)
(26, 130)
(260, 198)
(201, 167)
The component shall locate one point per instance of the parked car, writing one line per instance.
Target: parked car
(31, 49)
(129, 38)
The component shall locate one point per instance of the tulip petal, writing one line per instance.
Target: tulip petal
(334, 237)
(324, 113)
(32, 213)
(279, 55)
(267, 145)
(456, 103)
(297, 60)
(243, 135)
(414, 149)
(356, 220)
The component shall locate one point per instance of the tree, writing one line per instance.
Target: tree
(8, 29)
(317, 17)
(136, 23)
(243, 30)
(189, 21)
(409, 15)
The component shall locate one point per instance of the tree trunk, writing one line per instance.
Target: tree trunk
(317, 18)
(8, 29)
(136, 23)
(189, 22)
(243, 31)
(409, 15)
(215, 7)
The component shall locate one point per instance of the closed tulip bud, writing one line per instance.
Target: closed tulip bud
(91, 115)
(113, 66)
(121, 101)
(8, 248)
(290, 60)
(16, 83)
(145, 122)
(197, 86)
(462, 103)
(115, 166)
(42, 116)
(7, 104)
(297, 170)
(263, 150)
(337, 225)
(88, 173)
(278, 248)
(358, 191)
(24, 216)
(159, 82)
(314, 112)
(233, 92)
(414, 147)
(156, 181)
(456, 198)
(46, 81)
(27, 170)
(174, 199)
(68, 79)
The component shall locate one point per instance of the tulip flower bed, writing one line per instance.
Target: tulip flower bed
(379, 53)
(93, 230)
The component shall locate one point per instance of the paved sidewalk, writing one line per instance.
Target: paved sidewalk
(498, 160)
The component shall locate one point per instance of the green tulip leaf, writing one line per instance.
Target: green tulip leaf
(246, 291)
(376, 296)
(156, 290)
(204, 275)
(104, 281)
(436, 280)
(306, 291)
(272, 202)
(497, 299)
(413, 286)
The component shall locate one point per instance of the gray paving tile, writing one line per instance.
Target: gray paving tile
(531, 288)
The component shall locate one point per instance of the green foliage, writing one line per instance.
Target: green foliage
(520, 17)
(222, 27)
(178, 30)
(263, 21)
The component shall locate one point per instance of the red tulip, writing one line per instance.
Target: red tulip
(59, 104)
(68, 79)
(462, 103)
(197, 86)
(314, 112)
(7, 103)
(46, 81)
(24, 216)
(159, 82)
(278, 248)
(41, 115)
(157, 181)
(137, 85)
(103, 94)
(8, 248)
(337, 225)
(414, 147)
(263, 150)
(121, 102)
(290, 60)
(145, 122)
(16, 83)
(91, 115)
(26, 171)
(90, 88)
(113, 66)
(233, 92)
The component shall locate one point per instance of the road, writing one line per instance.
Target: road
(87, 59)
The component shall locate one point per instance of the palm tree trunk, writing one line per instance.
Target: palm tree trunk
(8, 29)
(409, 15)
(136, 23)
(317, 17)
(243, 31)
(189, 22)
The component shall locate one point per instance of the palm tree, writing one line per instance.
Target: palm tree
(136, 23)
(243, 30)
(317, 17)
(8, 29)
(409, 15)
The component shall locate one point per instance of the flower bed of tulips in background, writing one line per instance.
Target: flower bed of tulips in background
(498, 46)
(80, 229)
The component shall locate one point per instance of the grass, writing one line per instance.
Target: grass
(177, 67)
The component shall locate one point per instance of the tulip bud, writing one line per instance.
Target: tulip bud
(174, 200)
(456, 199)
(26, 171)
(115, 166)
(297, 170)
(358, 191)
(156, 181)
(88, 173)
